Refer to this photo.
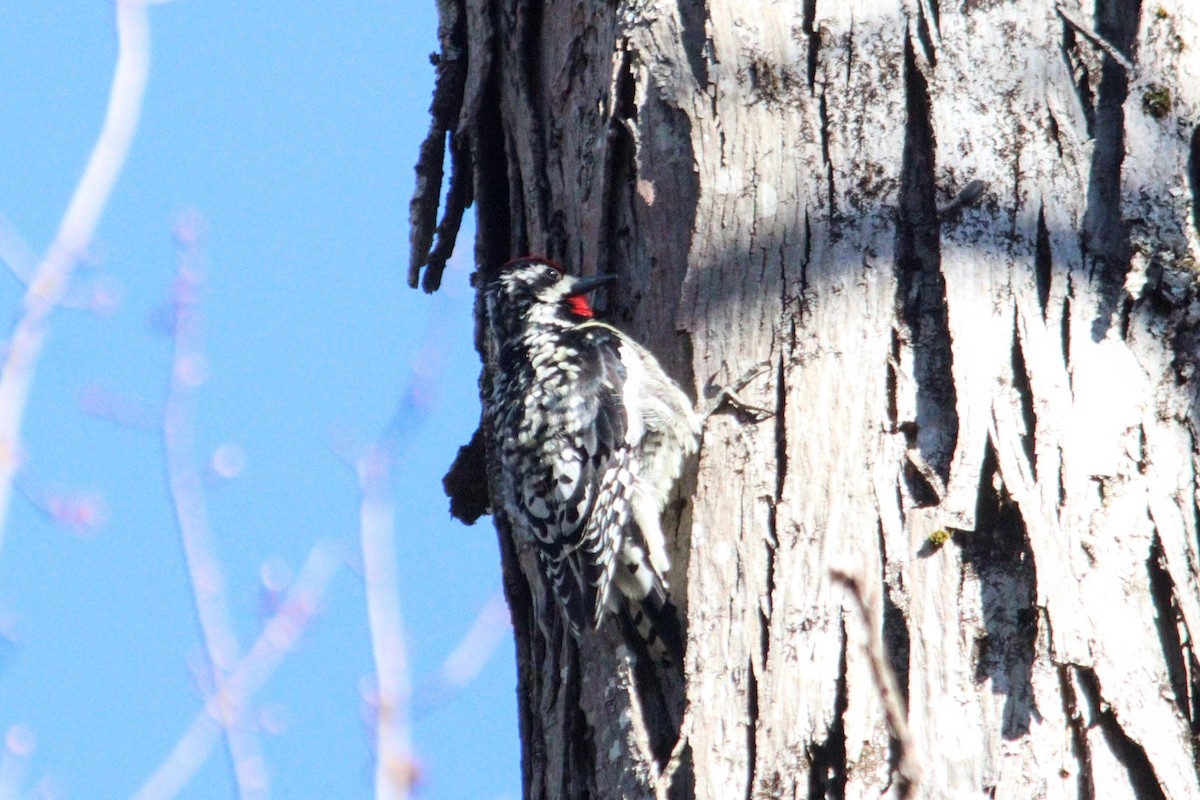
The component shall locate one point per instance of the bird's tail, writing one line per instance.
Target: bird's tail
(656, 621)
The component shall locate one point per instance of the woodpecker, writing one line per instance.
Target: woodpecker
(592, 435)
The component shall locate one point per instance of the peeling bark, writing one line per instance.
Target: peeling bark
(965, 236)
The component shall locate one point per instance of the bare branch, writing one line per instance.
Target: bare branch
(908, 766)
(188, 372)
(18, 256)
(15, 751)
(467, 660)
(393, 765)
(75, 232)
(225, 707)
(123, 412)
(81, 512)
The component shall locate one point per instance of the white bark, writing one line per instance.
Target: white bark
(1018, 372)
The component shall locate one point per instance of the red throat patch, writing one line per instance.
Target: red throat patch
(579, 306)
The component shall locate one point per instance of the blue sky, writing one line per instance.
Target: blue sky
(290, 129)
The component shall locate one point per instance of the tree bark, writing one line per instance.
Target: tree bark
(985, 408)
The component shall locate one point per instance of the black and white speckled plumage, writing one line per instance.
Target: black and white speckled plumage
(592, 436)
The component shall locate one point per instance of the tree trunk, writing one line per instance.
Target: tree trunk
(985, 406)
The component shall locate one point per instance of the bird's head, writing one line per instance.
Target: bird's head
(533, 290)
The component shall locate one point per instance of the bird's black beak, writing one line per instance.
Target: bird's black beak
(585, 285)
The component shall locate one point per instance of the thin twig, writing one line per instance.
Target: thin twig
(22, 262)
(394, 766)
(187, 494)
(393, 742)
(75, 232)
(16, 748)
(224, 708)
(478, 643)
(908, 766)
(467, 660)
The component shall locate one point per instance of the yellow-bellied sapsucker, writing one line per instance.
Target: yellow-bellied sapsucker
(592, 436)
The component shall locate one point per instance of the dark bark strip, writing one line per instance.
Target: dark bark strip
(935, 10)
(772, 539)
(529, 97)
(1020, 380)
(896, 643)
(1131, 755)
(578, 766)
(751, 729)
(1077, 65)
(998, 552)
(814, 39)
(620, 167)
(493, 187)
(518, 232)
(921, 289)
(827, 775)
(1105, 240)
(521, 608)
(1079, 740)
(925, 34)
(1169, 622)
(1194, 178)
(694, 40)
(1065, 331)
(833, 209)
(1043, 261)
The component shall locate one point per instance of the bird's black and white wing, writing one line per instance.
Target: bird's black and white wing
(578, 499)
